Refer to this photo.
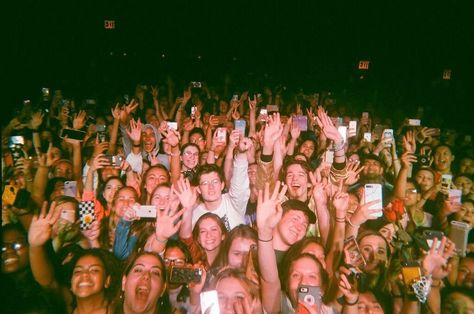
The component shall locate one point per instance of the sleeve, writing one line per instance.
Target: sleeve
(194, 248)
(136, 162)
(127, 144)
(123, 244)
(265, 174)
(239, 190)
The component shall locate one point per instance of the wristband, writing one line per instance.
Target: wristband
(339, 146)
(353, 303)
(261, 240)
(158, 240)
(340, 220)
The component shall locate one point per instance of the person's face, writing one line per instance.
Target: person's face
(443, 159)
(374, 250)
(161, 197)
(238, 251)
(354, 157)
(466, 273)
(252, 172)
(149, 140)
(63, 169)
(88, 277)
(369, 304)
(297, 182)
(210, 187)
(466, 166)
(303, 271)
(458, 302)
(14, 252)
(125, 199)
(230, 291)
(143, 285)
(174, 257)
(190, 157)
(110, 189)
(425, 179)
(292, 226)
(463, 183)
(411, 195)
(373, 169)
(317, 251)
(197, 139)
(307, 148)
(155, 177)
(466, 214)
(210, 234)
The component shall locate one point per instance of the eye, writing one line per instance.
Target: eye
(137, 270)
(156, 273)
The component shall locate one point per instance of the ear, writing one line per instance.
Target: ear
(124, 281)
(198, 189)
(222, 186)
(107, 281)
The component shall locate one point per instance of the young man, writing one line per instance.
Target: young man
(210, 183)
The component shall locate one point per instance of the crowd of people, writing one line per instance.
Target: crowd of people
(270, 201)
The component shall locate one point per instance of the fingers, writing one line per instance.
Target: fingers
(43, 209)
(276, 190)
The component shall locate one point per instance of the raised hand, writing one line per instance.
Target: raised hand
(244, 144)
(363, 213)
(409, 142)
(407, 159)
(41, 225)
(350, 292)
(92, 234)
(340, 202)
(234, 138)
(167, 223)
(135, 132)
(295, 130)
(186, 193)
(253, 103)
(327, 127)
(354, 169)
(186, 95)
(437, 257)
(116, 111)
(154, 92)
(269, 211)
(172, 137)
(319, 187)
(36, 120)
(99, 148)
(99, 162)
(79, 120)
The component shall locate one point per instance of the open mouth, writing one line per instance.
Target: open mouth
(10, 260)
(85, 284)
(142, 292)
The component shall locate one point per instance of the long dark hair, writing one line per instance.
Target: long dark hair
(241, 231)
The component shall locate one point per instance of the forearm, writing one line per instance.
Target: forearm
(77, 166)
(290, 148)
(40, 181)
(41, 267)
(252, 123)
(89, 184)
(185, 138)
(175, 164)
(324, 219)
(228, 164)
(113, 137)
(270, 282)
(336, 243)
(401, 183)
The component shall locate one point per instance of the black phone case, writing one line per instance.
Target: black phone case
(185, 275)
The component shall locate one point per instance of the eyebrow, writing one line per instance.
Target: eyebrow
(80, 266)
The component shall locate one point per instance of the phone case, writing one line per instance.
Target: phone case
(343, 131)
(209, 302)
(86, 214)
(373, 192)
(368, 137)
(184, 275)
(240, 125)
(430, 235)
(146, 211)
(354, 251)
(70, 188)
(352, 130)
(221, 135)
(411, 272)
(459, 233)
(309, 296)
(455, 195)
(9, 195)
(301, 122)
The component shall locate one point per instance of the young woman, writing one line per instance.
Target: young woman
(153, 177)
(144, 285)
(236, 247)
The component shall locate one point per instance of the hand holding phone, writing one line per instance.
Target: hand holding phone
(146, 211)
(86, 214)
(373, 192)
(209, 302)
(411, 273)
(309, 299)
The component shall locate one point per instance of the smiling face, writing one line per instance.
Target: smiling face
(14, 251)
(443, 159)
(210, 187)
(373, 170)
(303, 271)
(297, 182)
(307, 148)
(155, 177)
(230, 291)
(89, 277)
(63, 169)
(210, 234)
(111, 187)
(143, 285)
(425, 179)
(238, 250)
(465, 276)
(292, 227)
(161, 197)
(466, 214)
(149, 140)
(466, 166)
(411, 195)
(190, 157)
(124, 198)
(199, 140)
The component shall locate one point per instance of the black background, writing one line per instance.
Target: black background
(313, 44)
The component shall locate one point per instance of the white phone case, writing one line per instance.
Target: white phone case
(373, 192)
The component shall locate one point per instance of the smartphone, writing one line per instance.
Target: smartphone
(115, 161)
(446, 181)
(301, 122)
(73, 134)
(352, 130)
(309, 296)
(339, 121)
(221, 135)
(355, 255)
(411, 273)
(209, 302)
(458, 233)
(372, 192)
(86, 214)
(235, 97)
(368, 137)
(100, 127)
(146, 211)
(343, 131)
(196, 84)
(272, 108)
(455, 195)
(378, 131)
(172, 125)
(263, 114)
(70, 188)
(328, 156)
(388, 133)
(430, 235)
(185, 275)
(414, 122)
(9, 195)
(240, 125)
(16, 140)
(193, 112)
(423, 160)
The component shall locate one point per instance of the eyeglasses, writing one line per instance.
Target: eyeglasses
(189, 154)
(14, 246)
(179, 262)
(197, 141)
(212, 182)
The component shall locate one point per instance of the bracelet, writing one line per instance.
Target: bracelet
(158, 240)
(261, 240)
(350, 223)
(343, 220)
(353, 303)
(339, 146)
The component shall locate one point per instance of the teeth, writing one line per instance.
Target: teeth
(85, 284)
(10, 260)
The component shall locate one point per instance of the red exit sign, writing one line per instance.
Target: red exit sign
(364, 65)
(109, 24)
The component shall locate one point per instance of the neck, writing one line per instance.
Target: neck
(213, 205)
(278, 243)
(92, 304)
(211, 255)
